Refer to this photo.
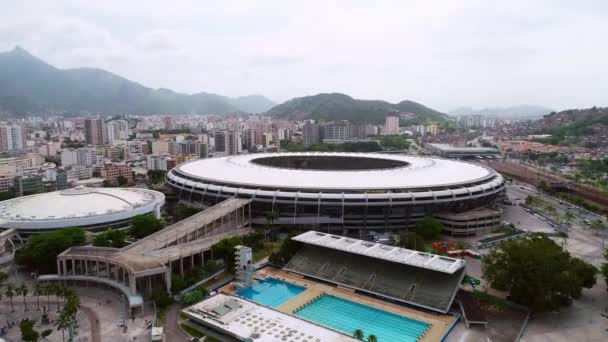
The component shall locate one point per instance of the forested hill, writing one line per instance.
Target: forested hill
(588, 127)
(336, 106)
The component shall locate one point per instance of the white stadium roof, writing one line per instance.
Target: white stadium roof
(376, 250)
(420, 173)
(77, 206)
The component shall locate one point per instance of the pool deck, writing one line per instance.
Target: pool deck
(439, 322)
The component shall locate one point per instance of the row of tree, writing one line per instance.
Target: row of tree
(67, 314)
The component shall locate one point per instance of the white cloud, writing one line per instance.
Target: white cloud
(441, 53)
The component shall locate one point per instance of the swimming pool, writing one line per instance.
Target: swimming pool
(348, 316)
(271, 292)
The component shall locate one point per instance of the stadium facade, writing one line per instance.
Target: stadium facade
(347, 192)
(93, 209)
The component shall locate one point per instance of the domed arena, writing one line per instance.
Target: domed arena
(92, 209)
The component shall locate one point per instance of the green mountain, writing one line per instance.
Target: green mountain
(30, 85)
(337, 106)
(585, 127)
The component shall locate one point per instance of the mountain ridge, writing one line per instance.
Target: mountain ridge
(338, 106)
(29, 85)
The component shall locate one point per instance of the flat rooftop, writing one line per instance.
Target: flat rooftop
(376, 250)
(247, 320)
(450, 148)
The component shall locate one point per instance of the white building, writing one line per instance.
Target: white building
(12, 138)
(391, 125)
(86, 156)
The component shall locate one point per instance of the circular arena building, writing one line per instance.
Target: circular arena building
(347, 191)
(93, 209)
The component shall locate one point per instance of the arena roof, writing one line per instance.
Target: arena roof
(376, 250)
(77, 206)
(420, 172)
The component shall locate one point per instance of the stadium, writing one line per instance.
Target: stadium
(347, 193)
(93, 209)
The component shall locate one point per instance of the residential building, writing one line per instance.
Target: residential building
(12, 138)
(111, 172)
(391, 125)
(312, 133)
(94, 131)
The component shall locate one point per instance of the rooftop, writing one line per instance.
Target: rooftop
(414, 172)
(376, 250)
(78, 202)
(246, 320)
(450, 148)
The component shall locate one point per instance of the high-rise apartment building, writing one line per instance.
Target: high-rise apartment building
(94, 131)
(227, 142)
(12, 138)
(391, 125)
(312, 133)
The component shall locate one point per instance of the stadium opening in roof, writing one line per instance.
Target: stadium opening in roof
(346, 192)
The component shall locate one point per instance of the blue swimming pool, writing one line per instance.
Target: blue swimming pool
(348, 316)
(271, 292)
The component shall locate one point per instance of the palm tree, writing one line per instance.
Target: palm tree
(10, 294)
(63, 322)
(461, 246)
(48, 290)
(23, 290)
(38, 290)
(358, 334)
(59, 293)
(372, 338)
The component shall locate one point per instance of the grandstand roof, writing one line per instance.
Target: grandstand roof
(376, 250)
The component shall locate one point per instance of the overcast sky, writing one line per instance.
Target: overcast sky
(443, 54)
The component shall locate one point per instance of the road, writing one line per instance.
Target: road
(173, 332)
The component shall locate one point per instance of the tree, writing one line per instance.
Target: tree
(429, 228)
(41, 250)
(28, 333)
(23, 290)
(68, 314)
(372, 338)
(144, 225)
(411, 240)
(111, 238)
(604, 268)
(287, 250)
(183, 212)
(38, 290)
(10, 293)
(122, 181)
(536, 272)
(600, 228)
(461, 246)
(156, 176)
(358, 334)
(225, 249)
(3, 278)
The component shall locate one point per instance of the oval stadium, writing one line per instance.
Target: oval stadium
(93, 209)
(347, 193)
